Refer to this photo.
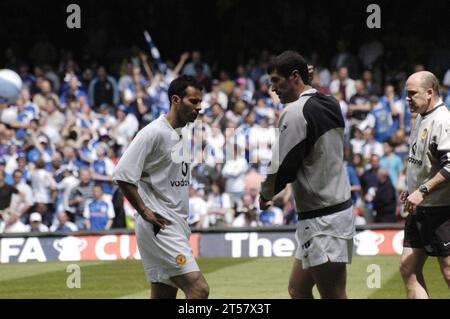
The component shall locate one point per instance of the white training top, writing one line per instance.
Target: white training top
(430, 153)
(42, 183)
(154, 163)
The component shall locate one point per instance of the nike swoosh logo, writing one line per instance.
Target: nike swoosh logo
(446, 244)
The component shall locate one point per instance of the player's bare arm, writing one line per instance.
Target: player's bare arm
(131, 193)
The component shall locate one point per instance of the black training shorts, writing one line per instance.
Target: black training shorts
(429, 229)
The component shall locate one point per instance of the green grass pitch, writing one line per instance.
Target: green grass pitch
(227, 277)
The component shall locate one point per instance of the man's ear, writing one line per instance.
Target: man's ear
(430, 92)
(175, 99)
(296, 76)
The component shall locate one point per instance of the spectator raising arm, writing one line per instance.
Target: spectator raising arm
(183, 58)
(148, 70)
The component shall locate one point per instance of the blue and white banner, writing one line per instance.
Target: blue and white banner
(155, 52)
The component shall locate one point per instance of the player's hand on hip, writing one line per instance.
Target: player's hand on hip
(413, 200)
(155, 218)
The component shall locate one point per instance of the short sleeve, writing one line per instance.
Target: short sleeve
(131, 164)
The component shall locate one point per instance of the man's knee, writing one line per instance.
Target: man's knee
(203, 290)
(412, 262)
(407, 269)
(331, 279)
(200, 290)
(193, 284)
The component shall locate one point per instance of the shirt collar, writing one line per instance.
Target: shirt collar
(309, 91)
(435, 107)
(178, 130)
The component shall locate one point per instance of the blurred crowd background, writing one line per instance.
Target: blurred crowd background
(87, 93)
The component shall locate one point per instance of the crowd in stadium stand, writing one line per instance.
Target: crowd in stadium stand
(60, 140)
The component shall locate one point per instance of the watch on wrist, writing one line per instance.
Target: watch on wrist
(424, 189)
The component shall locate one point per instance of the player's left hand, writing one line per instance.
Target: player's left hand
(413, 200)
(263, 204)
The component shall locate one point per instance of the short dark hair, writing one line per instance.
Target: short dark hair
(17, 170)
(98, 185)
(179, 85)
(40, 163)
(287, 62)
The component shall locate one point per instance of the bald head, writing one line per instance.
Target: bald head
(382, 175)
(422, 89)
(426, 80)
